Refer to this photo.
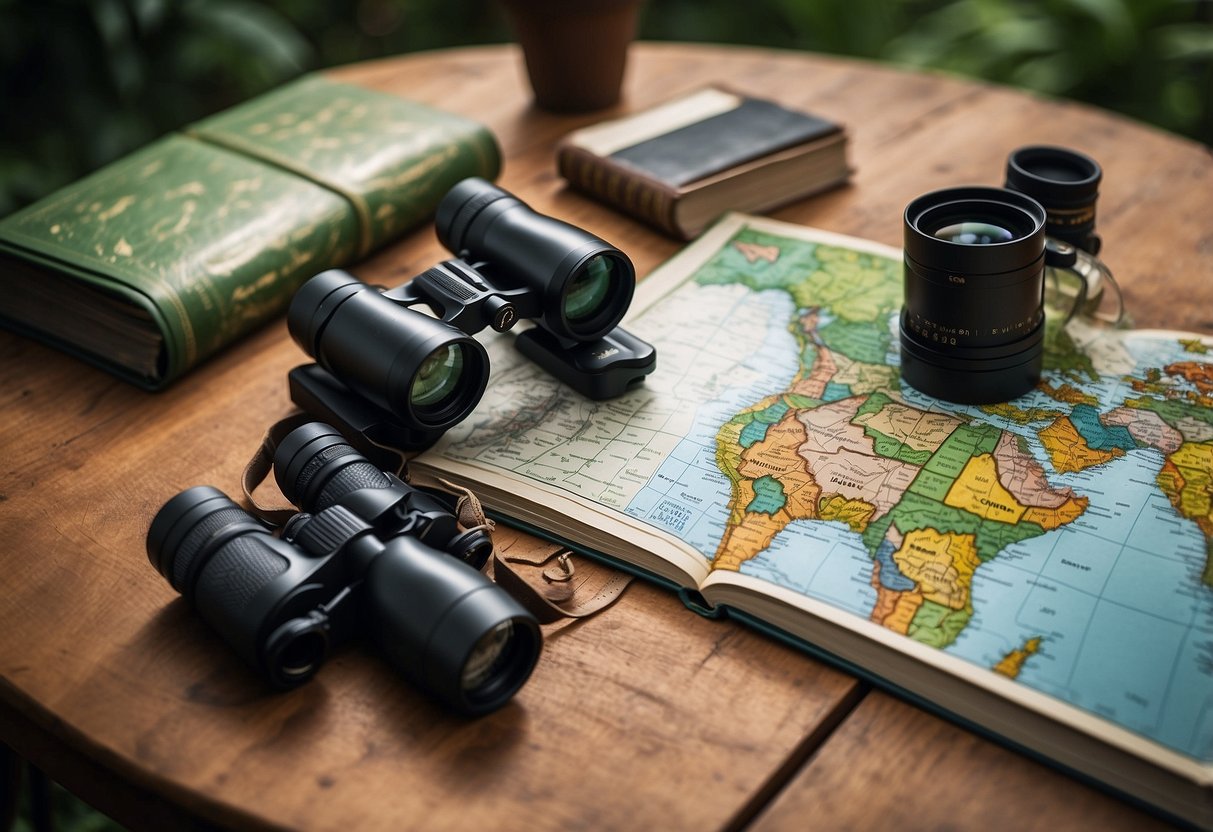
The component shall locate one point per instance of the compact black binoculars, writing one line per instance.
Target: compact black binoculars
(395, 375)
(372, 556)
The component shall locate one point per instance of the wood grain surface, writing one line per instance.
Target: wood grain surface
(892, 766)
(645, 716)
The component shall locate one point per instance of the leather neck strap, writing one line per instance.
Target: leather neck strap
(547, 583)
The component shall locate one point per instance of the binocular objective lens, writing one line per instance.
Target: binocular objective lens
(589, 288)
(974, 234)
(486, 660)
(438, 377)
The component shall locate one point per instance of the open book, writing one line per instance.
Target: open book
(1040, 569)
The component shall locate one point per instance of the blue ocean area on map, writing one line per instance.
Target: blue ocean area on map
(823, 560)
(691, 468)
(1098, 591)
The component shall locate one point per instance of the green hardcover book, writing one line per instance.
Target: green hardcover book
(160, 259)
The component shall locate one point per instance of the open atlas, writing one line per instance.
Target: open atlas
(1042, 568)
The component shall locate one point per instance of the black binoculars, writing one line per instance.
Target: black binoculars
(400, 377)
(373, 556)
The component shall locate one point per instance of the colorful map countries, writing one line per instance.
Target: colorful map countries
(1063, 540)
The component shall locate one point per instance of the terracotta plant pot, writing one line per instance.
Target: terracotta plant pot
(575, 50)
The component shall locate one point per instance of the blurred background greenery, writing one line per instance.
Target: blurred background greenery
(85, 81)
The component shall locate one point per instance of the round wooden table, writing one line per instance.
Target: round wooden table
(645, 716)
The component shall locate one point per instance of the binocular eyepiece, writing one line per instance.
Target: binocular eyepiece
(373, 556)
(388, 371)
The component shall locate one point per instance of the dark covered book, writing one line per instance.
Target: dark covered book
(160, 259)
(679, 165)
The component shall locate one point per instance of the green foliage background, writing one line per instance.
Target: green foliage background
(85, 81)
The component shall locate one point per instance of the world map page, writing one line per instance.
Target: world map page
(1063, 540)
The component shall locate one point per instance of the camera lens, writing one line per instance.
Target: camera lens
(1066, 183)
(427, 373)
(584, 284)
(972, 328)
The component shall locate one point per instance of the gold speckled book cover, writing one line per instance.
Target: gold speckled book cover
(160, 259)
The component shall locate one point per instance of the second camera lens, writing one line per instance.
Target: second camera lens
(1066, 183)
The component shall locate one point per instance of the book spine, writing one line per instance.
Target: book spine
(625, 189)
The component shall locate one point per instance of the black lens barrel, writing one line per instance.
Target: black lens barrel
(1064, 181)
(429, 611)
(972, 328)
(190, 528)
(315, 467)
(965, 295)
(222, 560)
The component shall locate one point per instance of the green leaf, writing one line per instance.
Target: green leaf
(1183, 42)
(1112, 16)
(257, 31)
(1048, 73)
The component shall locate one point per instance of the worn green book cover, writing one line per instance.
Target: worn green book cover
(160, 259)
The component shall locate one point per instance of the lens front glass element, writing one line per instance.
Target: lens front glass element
(487, 658)
(589, 288)
(974, 233)
(438, 377)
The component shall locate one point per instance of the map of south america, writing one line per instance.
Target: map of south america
(933, 496)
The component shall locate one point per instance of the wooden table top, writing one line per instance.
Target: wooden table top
(645, 716)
